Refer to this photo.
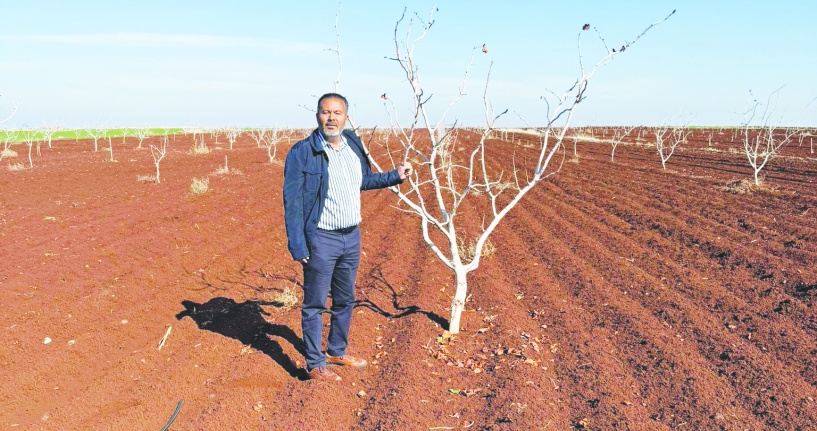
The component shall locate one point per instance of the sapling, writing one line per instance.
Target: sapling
(761, 143)
(618, 137)
(454, 175)
(95, 134)
(259, 136)
(141, 133)
(232, 135)
(667, 139)
(28, 137)
(158, 153)
(271, 140)
(47, 134)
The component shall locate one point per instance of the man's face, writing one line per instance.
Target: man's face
(331, 117)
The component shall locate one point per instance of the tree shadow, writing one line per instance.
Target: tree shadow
(380, 284)
(245, 322)
(243, 277)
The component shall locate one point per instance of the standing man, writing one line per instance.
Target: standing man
(323, 176)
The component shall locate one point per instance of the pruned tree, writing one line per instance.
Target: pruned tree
(618, 137)
(29, 138)
(47, 133)
(158, 153)
(455, 173)
(215, 133)
(667, 139)
(232, 135)
(141, 133)
(271, 140)
(95, 134)
(761, 141)
(259, 136)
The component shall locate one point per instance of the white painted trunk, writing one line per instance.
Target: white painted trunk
(458, 304)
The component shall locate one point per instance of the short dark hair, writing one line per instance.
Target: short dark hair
(333, 96)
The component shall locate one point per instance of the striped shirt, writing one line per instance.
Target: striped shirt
(342, 206)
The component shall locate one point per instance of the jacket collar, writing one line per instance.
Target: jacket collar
(315, 141)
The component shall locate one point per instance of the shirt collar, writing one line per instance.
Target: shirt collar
(326, 144)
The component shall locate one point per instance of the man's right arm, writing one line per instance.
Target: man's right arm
(293, 206)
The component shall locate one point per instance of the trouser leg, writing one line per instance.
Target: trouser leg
(343, 294)
(317, 281)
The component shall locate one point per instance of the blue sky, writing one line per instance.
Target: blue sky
(241, 63)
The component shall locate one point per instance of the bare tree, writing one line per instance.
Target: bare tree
(259, 136)
(232, 135)
(761, 142)
(95, 134)
(271, 140)
(141, 133)
(452, 170)
(47, 134)
(215, 133)
(802, 134)
(158, 153)
(618, 137)
(667, 139)
(29, 138)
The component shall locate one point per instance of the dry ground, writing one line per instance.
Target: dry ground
(621, 297)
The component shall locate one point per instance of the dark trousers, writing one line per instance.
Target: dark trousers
(332, 267)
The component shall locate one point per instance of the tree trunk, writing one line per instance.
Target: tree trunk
(458, 304)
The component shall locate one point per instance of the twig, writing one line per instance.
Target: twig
(167, 334)
(441, 428)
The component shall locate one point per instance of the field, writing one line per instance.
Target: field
(620, 296)
(39, 134)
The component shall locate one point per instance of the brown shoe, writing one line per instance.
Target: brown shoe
(323, 373)
(345, 360)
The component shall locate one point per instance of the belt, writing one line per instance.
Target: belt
(344, 230)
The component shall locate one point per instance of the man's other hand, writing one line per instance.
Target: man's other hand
(404, 170)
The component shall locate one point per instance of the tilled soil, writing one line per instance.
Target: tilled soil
(620, 296)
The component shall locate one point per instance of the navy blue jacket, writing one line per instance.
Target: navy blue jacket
(306, 180)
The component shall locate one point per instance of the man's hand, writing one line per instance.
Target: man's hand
(304, 260)
(404, 170)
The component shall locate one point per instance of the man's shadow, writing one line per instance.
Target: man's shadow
(245, 322)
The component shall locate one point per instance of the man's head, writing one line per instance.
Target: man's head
(331, 115)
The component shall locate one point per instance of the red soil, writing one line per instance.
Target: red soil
(621, 296)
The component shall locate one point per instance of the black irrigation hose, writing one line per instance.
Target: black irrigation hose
(173, 416)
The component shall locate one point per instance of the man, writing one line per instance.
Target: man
(323, 176)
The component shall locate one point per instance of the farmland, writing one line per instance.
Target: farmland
(620, 296)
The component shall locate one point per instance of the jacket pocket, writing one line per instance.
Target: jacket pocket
(312, 180)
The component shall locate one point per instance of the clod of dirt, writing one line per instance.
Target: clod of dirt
(738, 187)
